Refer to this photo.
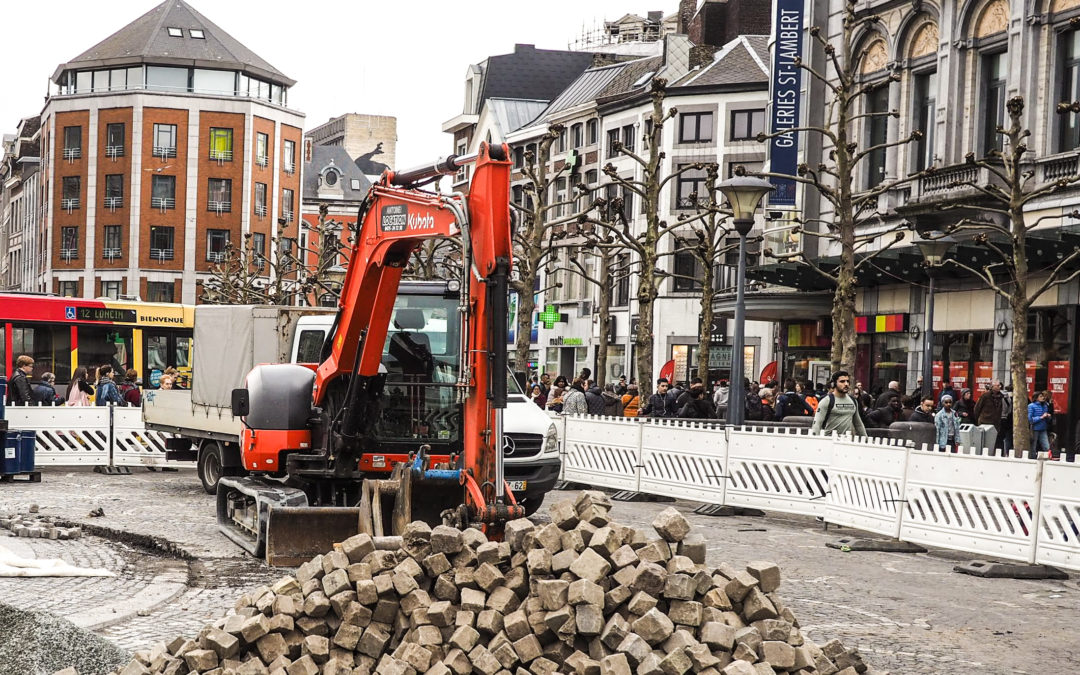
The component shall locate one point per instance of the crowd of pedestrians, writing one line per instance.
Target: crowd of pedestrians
(96, 386)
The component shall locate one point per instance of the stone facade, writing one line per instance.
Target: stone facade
(371, 140)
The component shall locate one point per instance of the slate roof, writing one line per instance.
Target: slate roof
(531, 73)
(743, 60)
(146, 40)
(321, 156)
(623, 83)
(511, 115)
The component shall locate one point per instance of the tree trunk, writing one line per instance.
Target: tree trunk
(705, 335)
(643, 339)
(1018, 371)
(523, 329)
(603, 311)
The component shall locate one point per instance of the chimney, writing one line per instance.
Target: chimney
(701, 55)
(687, 8)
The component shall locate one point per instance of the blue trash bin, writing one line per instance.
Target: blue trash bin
(25, 456)
(10, 462)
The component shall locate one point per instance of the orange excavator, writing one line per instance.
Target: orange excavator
(319, 468)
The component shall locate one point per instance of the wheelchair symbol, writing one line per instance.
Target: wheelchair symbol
(69, 313)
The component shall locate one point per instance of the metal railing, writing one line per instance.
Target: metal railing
(111, 253)
(72, 153)
(287, 215)
(164, 151)
(262, 160)
(221, 155)
(218, 256)
(114, 151)
(163, 202)
(69, 253)
(218, 206)
(69, 204)
(290, 168)
(260, 209)
(114, 202)
(161, 254)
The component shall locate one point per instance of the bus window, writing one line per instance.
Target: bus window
(106, 345)
(183, 352)
(157, 352)
(309, 347)
(49, 345)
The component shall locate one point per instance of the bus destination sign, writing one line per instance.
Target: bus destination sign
(107, 314)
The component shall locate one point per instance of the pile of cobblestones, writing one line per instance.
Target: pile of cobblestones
(37, 527)
(579, 595)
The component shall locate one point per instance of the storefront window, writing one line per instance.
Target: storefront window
(961, 356)
(616, 365)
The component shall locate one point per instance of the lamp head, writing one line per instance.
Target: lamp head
(744, 194)
(935, 246)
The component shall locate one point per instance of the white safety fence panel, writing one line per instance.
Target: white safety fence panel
(683, 459)
(971, 503)
(778, 470)
(65, 436)
(1058, 541)
(134, 444)
(866, 484)
(603, 451)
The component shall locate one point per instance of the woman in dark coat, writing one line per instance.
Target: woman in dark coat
(965, 408)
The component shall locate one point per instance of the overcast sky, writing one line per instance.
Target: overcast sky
(400, 58)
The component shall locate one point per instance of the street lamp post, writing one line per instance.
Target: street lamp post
(744, 194)
(934, 246)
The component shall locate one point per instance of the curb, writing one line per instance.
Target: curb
(162, 589)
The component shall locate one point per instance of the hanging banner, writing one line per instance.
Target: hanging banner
(937, 368)
(786, 85)
(1057, 376)
(984, 375)
(1029, 366)
(958, 375)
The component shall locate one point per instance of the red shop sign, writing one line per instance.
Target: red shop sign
(1057, 377)
(936, 370)
(984, 374)
(958, 375)
(1029, 367)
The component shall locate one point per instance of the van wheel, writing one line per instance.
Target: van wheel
(210, 466)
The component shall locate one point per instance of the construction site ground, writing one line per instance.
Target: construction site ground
(907, 613)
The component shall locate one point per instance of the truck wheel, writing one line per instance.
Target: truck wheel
(210, 466)
(533, 503)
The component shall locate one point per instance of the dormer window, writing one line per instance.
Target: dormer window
(176, 32)
(196, 33)
(330, 177)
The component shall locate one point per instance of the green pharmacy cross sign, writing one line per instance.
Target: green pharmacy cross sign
(551, 316)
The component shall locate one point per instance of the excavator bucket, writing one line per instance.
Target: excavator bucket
(296, 534)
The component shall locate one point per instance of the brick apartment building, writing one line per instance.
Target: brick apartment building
(159, 145)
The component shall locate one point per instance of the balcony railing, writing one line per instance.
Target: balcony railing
(287, 215)
(164, 151)
(212, 256)
(111, 253)
(163, 203)
(114, 202)
(947, 179)
(69, 204)
(262, 160)
(221, 155)
(218, 206)
(72, 153)
(161, 254)
(290, 168)
(1057, 168)
(69, 253)
(260, 209)
(114, 151)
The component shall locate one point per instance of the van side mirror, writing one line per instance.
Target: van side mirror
(241, 404)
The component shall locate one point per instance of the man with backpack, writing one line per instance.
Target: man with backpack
(790, 404)
(129, 388)
(839, 413)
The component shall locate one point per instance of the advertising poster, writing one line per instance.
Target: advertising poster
(936, 370)
(984, 375)
(958, 375)
(1058, 378)
(1029, 366)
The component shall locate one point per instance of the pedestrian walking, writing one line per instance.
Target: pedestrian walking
(631, 401)
(620, 388)
(946, 425)
(1006, 432)
(107, 391)
(893, 390)
(594, 400)
(768, 402)
(884, 416)
(720, 397)
(699, 407)
(790, 404)
(754, 410)
(19, 390)
(965, 407)
(545, 383)
(1039, 418)
(671, 399)
(558, 391)
(574, 402)
(925, 412)
(838, 413)
(656, 405)
(988, 409)
(536, 395)
(807, 394)
(129, 388)
(45, 391)
(79, 391)
(613, 406)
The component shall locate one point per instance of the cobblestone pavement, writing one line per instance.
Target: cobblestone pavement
(908, 614)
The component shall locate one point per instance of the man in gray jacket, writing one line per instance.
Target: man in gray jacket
(839, 413)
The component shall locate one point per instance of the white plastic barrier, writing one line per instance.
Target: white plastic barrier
(1059, 516)
(866, 484)
(781, 470)
(974, 503)
(603, 451)
(65, 436)
(683, 459)
(133, 443)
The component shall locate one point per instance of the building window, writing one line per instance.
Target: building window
(592, 129)
(163, 192)
(111, 289)
(219, 195)
(262, 149)
(72, 191)
(113, 239)
(160, 291)
(924, 100)
(622, 282)
(260, 199)
(258, 249)
(114, 140)
(164, 140)
(72, 142)
(696, 127)
(687, 268)
(691, 189)
(221, 147)
(161, 243)
(747, 124)
(217, 242)
(1069, 89)
(69, 289)
(993, 100)
(287, 205)
(612, 142)
(196, 33)
(69, 243)
(628, 137)
(878, 133)
(167, 78)
(519, 157)
(114, 191)
(577, 135)
(289, 157)
(176, 32)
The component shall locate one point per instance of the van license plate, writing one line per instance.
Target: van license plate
(517, 485)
